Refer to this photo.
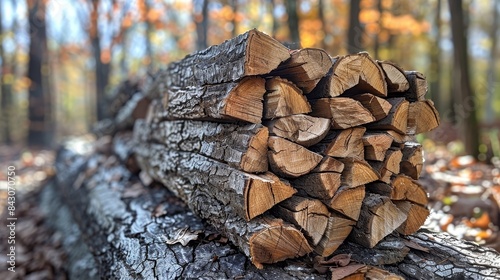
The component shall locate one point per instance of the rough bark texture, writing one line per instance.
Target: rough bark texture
(124, 225)
(251, 53)
(243, 147)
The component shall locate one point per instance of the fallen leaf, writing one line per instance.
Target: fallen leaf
(339, 273)
(183, 236)
(337, 260)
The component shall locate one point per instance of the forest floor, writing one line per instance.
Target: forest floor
(464, 198)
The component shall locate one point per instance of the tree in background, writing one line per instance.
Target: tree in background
(293, 22)
(6, 90)
(464, 103)
(355, 30)
(490, 114)
(41, 124)
(201, 20)
(102, 62)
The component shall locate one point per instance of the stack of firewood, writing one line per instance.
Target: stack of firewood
(289, 152)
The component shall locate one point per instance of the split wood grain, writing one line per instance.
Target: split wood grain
(283, 98)
(302, 129)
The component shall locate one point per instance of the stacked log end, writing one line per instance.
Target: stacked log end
(289, 152)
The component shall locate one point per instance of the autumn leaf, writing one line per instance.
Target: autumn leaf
(183, 236)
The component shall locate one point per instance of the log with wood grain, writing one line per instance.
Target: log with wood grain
(289, 152)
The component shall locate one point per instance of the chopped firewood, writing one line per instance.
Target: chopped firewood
(355, 73)
(249, 54)
(305, 68)
(379, 107)
(395, 77)
(308, 214)
(342, 143)
(318, 185)
(329, 164)
(277, 242)
(337, 230)
(422, 117)
(413, 160)
(344, 112)
(376, 145)
(248, 194)
(356, 271)
(417, 215)
(405, 188)
(357, 172)
(283, 98)
(418, 86)
(290, 160)
(228, 101)
(397, 119)
(389, 167)
(241, 146)
(302, 129)
(378, 218)
(347, 201)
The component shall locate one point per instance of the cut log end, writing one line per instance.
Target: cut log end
(278, 242)
(422, 117)
(345, 112)
(357, 172)
(264, 53)
(347, 201)
(255, 158)
(261, 195)
(405, 188)
(289, 159)
(337, 230)
(283, 99)
(395, 77)
(245, 100)
(417, 215)
(302, 129)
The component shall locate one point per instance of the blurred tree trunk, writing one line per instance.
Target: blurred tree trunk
(321, 15)
(6, 90)
(355, 31)
(490, 113)
(202, 26)
(41, 125)
(465, 104)
(102, 66)
(435, 73)
(293, 22)
(149, 32)
(234, 6)
(376, 45)
(275, 20)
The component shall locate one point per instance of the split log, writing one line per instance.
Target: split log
(394, 76)
(389, 167)
(126, 221)
(240, 146)
(249, 195)
(422, 117)
(352, 74)
(337, 230)
(290, 160)
(379, 217)
(283, 98)
(310, 215)
(305, 68)
(416, 216)
(318, 185)
(347, 201)
(413, 160)
(376, 145)
(344, 112)
(418, 86)
(377, 106)
(249, 54)
(227, 101)
(396, 120)
(329, 164)
(357, 172)
(405, 188)
(342, 143)
(302, 129)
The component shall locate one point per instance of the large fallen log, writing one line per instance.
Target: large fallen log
(134, 231)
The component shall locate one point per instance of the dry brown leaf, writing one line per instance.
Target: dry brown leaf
(183, 236)
(339, 273)
(337, 260)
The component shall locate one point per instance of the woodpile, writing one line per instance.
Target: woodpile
(288, 152)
